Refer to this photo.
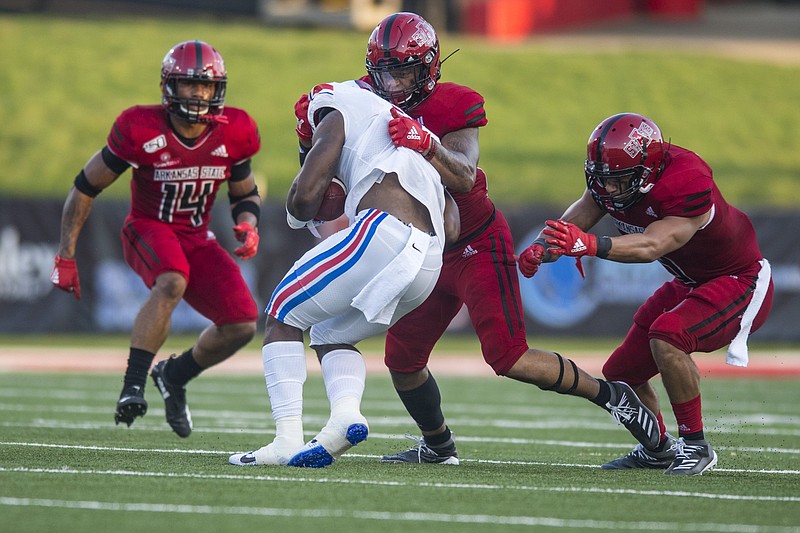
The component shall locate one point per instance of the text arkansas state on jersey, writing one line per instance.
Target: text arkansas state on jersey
(726, 245)
(164, 185)
(451, 107)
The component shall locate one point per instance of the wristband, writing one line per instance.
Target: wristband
(293, 222)
(431, 152)
(603, 247)
(246, 206)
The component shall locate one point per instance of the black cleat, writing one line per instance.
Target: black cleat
(627, 409)
(178, 416)
(692, 458)
(424, 453)
(131, 404)
(641, 457)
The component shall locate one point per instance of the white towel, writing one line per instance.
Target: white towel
(737, 350)
(379, 298)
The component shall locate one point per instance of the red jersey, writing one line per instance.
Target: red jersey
(452, 107)
(172, 181)
(726, 245)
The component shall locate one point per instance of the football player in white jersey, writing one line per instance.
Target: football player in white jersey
(354, 284)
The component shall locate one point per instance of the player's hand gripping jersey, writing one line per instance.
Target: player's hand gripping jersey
(371, 151)
(451, 107)
(176, 181)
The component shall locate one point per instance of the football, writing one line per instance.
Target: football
(332, 206)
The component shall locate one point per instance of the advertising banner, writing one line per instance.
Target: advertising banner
(557, 301)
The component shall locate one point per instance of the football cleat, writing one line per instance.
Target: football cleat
(627, 409)
(331, 442)
(641, 457)
(692, 458)
(276, 453)
(424, 453)
(131, 404)
(177, 411)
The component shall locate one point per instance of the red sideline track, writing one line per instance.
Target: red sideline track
(763, 364)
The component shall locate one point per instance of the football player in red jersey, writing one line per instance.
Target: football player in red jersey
(479, 268)
(664, 202)
(181, 152)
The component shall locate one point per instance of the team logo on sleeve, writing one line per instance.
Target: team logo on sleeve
(154, 145)
(640, 137)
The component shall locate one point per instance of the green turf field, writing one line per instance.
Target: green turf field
(529, 463)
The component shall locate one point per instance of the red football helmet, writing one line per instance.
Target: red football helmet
(403, 59)
(627, 148)
(195, 61)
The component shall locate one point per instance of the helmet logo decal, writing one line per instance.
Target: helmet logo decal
(637, 143)
(424, 35)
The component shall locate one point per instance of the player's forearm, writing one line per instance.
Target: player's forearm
(455, 170)
(76, 210)
(635, 248)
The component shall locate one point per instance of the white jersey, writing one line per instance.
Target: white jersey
(369, 152)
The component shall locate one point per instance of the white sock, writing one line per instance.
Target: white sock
(344, 373)
(285, 373)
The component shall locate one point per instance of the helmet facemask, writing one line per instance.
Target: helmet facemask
(629, 189)
(193, 62)
(193, 109)
(405, 85)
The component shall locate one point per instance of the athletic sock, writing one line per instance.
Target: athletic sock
(424, 404)
(285, 373)
(441, 440)
(344, 374)
(181, 369)
(689, 417)
(139, 362)
(604, 396)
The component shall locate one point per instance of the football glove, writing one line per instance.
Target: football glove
(405, 131)
(247, 234)
(568, 239)
(531, 258)
(303, 128)
(65, 276)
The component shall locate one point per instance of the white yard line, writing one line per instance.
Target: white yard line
(349, 455)
(391, 516)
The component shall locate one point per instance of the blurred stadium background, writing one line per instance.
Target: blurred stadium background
(721, 31)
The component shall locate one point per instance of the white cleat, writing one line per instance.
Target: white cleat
(338, 436)
(276, 453)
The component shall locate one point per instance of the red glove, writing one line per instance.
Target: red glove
(65, 276)
(406, 131)
(303, 128)
(247, 234)
(530, 259)
(568, 239)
